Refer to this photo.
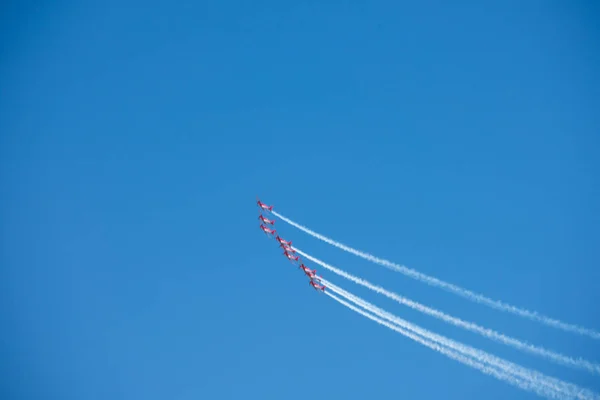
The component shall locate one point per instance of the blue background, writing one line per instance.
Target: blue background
(460, 140)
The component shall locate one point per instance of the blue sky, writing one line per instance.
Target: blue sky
(461, 141)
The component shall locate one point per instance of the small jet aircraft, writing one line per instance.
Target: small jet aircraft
(317, 286)
(287, 248)
(290, 257)
(281, 241)
(311, 274)
(267, 231)
(266, 220)
(263, 206)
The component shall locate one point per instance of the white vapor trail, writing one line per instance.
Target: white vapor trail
(486, 369)
(540, 383)
(478, 298)
(489, 333)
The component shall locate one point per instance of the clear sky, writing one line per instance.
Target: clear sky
(135, 136)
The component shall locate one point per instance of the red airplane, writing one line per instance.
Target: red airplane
(280, 240)
(317, 286)
(290, 257)
(263, 206)
(311, 274)
(267, 231)
(287, 248)
(266, 220)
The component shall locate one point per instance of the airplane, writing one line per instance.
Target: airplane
(280, 240)
(311, 274)
(317, 286)
(266, 220)
(287, 248)
(290, 257)
(267, 230)
(263, 206)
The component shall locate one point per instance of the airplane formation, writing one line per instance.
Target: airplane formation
(288, 250)
(514, 374)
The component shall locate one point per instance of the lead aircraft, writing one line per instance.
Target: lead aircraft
(263, 206)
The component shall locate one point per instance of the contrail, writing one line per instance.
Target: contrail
(539, 382)
(489, 333)
(486, 369)
(478, 298)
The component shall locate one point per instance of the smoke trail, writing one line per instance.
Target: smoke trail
(489, 333)
(486, 369)
(538, 379)
(478, 298)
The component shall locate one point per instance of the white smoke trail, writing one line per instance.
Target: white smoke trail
(478, 298)
(489, 333)
(486, 369)
(539, 381)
